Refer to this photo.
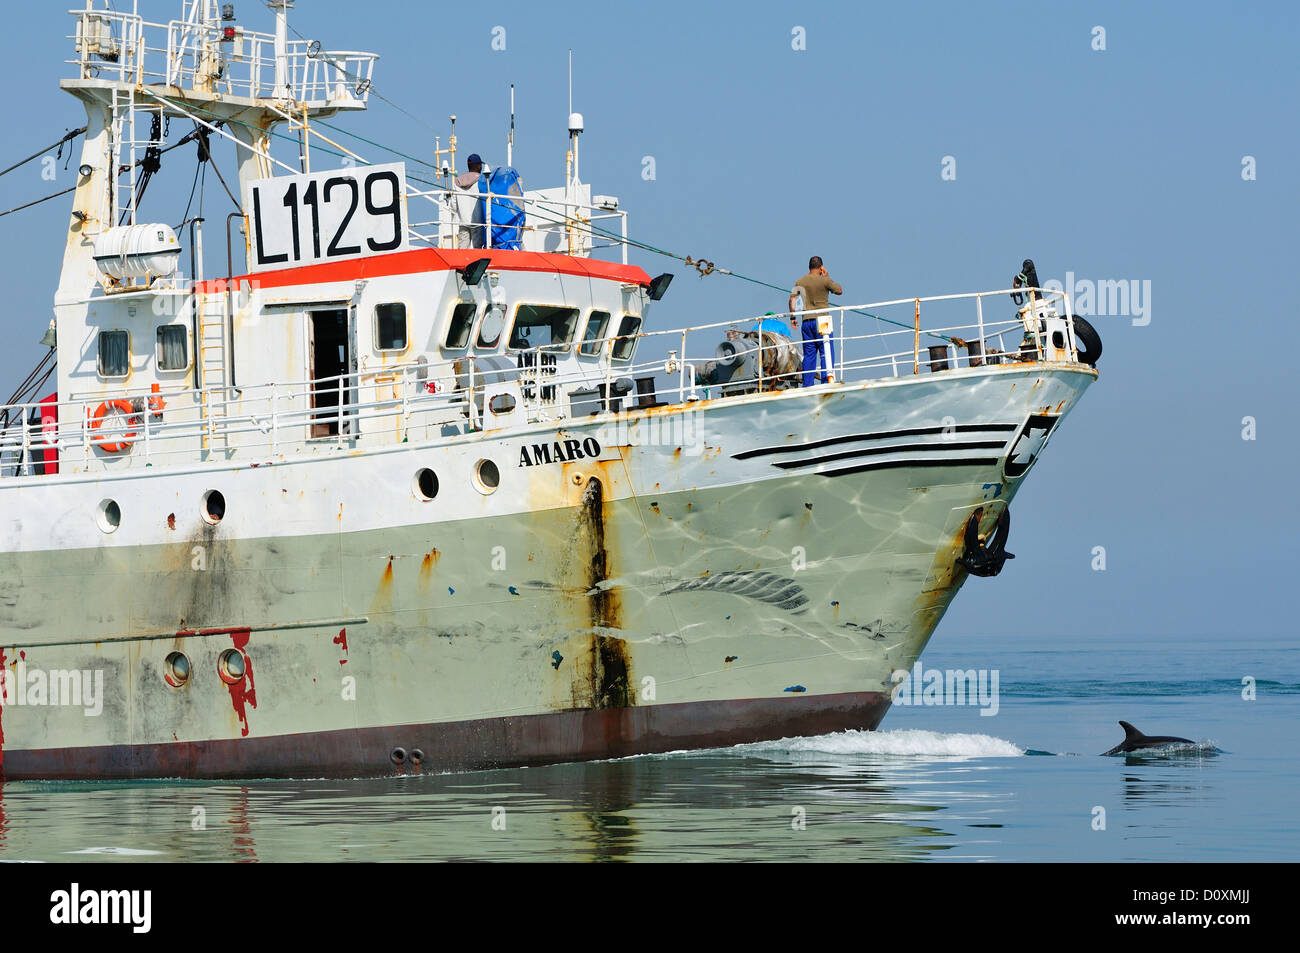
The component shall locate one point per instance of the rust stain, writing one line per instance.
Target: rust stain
(171, 520)
(655, 507)
(341, 640)
(610, 680)
(3, 674)
(383, 599)
(427, 565)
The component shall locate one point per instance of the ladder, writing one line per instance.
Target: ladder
(212, 339)
(211, 347)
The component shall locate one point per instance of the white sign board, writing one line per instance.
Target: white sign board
(326, 216)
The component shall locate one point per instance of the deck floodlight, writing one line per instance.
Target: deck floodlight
(659, 285)
(472, 273)
(85, 169)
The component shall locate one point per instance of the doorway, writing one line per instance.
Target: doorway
(328, 350)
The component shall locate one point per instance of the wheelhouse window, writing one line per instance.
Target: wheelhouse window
(490, 328)
(390, 326)
(114, 353)
(461, 324)
(172, 354)
(543, 325)
(593, 336)
(625, 342)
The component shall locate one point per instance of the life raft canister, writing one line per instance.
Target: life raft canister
(124, 442)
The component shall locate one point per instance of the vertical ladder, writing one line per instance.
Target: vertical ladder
(211, 346)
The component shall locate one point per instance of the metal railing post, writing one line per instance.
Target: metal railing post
(916, 345)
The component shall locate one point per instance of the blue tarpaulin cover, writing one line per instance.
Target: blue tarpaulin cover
(507, 217)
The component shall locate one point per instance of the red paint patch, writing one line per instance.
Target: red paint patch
(242, 692)
(342, 640)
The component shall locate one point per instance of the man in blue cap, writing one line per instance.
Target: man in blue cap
(468, 208)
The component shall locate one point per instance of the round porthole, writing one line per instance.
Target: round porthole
(108, 515)
(501, 404)
(231, 666)
(426, 484)
(486, 476)
(214, 506)
(176, 669)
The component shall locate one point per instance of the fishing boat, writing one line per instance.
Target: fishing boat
(428, 483)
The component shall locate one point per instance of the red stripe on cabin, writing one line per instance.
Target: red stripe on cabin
(419, 260)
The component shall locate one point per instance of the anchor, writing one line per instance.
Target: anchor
(986, 557)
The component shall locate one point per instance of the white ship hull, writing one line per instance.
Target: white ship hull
(732, 570)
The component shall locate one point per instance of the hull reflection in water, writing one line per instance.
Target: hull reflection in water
(836, 797)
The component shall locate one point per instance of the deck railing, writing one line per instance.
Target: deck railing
(127, 48)
(419, 401)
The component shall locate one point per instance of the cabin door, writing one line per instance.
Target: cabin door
(329, 353)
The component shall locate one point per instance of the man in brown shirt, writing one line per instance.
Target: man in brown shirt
(815, 288)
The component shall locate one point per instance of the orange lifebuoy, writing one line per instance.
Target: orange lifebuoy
(97, 419)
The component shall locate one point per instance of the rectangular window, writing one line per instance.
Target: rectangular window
(390, 326)
(462, 322)
(543, 325)
(172, 341)
(114, 353)
(597, 325)
(625, 343)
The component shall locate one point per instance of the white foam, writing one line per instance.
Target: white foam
(120, 851)
(908, 742)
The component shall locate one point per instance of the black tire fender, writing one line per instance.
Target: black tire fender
(1088, 340)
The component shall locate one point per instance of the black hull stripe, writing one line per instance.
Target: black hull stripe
(882, 435)
(893, 448)
(894, 464)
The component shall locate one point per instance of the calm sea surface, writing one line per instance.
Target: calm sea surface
(937, 783)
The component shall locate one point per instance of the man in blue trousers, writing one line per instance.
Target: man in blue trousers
(815, 288)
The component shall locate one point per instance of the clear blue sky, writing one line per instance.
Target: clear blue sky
(1119, 164)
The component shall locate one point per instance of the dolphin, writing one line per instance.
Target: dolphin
(1135, 740)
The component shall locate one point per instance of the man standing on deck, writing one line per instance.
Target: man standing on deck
(815, 288)
(469, 210)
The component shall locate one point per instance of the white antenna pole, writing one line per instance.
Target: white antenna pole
(281, 8)
(570, 80)
(510, 140)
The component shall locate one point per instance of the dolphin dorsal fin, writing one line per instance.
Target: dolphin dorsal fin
(1130, 733)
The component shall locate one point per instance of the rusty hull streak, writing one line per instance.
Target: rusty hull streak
(610, 679)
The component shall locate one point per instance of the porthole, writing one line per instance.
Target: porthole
(486, 476)
(176, 669)
(231, 666)
(426, 484)
(502, 404)
(214, 506)
(108, 515)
